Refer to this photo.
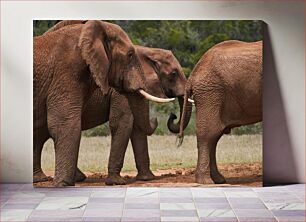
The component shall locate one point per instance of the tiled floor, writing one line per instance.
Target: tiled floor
(22, 202)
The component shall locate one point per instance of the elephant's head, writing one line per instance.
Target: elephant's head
(164, 78)
(111, 57)
(163, 73)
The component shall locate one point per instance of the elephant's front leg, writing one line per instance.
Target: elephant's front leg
(121, 123)
(140, 148)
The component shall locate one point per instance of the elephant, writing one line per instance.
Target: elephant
(69, 64)
(226, 85)
(128, 114)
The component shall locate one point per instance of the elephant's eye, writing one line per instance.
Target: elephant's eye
(130, 54)
(173, 74)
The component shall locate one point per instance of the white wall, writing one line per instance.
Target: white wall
(284, 95)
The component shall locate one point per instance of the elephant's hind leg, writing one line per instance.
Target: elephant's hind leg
(65, 129)
(40, 137)
(209, 130)
(216, 176)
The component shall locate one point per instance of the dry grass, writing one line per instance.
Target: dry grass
(164, 154)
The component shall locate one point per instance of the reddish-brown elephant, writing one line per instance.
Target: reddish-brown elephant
(227, 91)
(128, 114)
(69, 65)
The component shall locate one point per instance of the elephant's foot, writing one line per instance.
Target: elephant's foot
(146, 176)
(79, 176)
(217, 177)
(62, 183)
(114, 179)
(40, 176)
(203, 179)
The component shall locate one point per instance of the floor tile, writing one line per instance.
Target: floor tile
(254, 213)
(54, 219)
(273, 197)
(177, 206)
(20, 206)
(142, 192)
(179, 219)
(240, 194)
(105, 200)
(15, 215)
(103, 213)
(176, 200)
(109, 194)
(278, 189)
(210, 200)
(141, 206)
(289, 213)
(213, 206)
(101, 219)
(291, 219)
(237, 189)
(141, 213)
(62, 203)
(175, 189)
(296, 187)
(175, 193)
(218, 219)
(256, 219)
(248, 206)
(247, 200)
(114, 206)
(68, 193)
(25, 200)
(142, 200)
(57, 213)
(140, 219)
(206, 192)
(216, 213)
(178, 213)
(285, 206)
(26, 194)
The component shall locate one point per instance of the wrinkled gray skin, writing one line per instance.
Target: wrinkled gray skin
(69, 65)
(128, 115)
(226, 87)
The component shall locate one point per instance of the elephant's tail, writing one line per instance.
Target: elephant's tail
(188, 94)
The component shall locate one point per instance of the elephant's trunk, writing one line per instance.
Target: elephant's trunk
(185, 114)
(141, 112)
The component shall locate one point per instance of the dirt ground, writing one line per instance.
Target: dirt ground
(235, 174)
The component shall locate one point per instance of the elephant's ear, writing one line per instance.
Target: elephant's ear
(95, 50)
(155, 63)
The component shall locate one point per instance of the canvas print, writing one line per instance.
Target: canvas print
(147, 103)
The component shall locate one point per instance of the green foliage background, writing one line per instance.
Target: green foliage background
(188, 40)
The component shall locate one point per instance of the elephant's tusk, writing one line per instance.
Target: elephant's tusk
(154, 98)
(190, 100)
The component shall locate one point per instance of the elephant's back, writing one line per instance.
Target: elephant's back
(230, 61)
(232, 69)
